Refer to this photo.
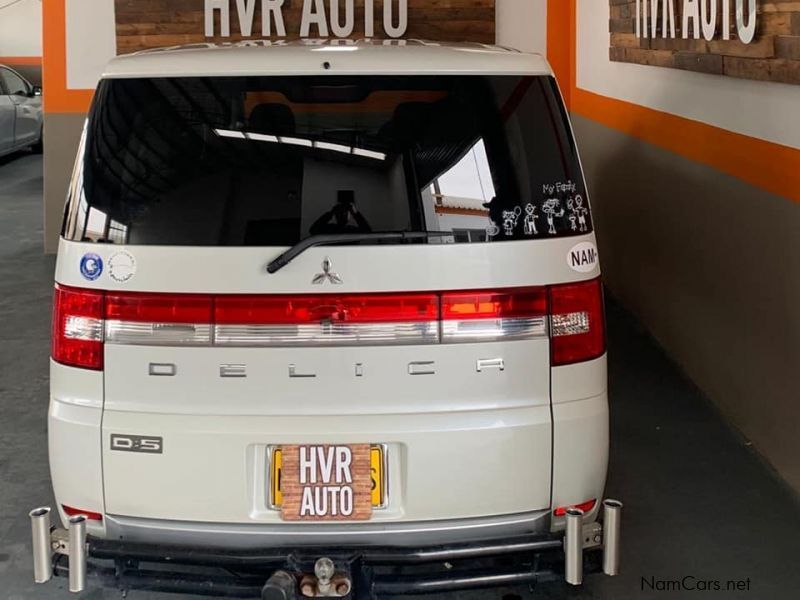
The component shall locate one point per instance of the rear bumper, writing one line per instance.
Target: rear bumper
(365, 571)
(252, 536)
(375, 571)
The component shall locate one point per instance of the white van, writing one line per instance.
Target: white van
(323, 309)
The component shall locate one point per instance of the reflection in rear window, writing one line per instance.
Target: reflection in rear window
(269, 161)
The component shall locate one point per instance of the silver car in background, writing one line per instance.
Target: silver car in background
(20, 113)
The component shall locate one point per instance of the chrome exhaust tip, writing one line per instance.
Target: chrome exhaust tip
(612, 515)
(573, 547)
(77, 553)
(40, 532)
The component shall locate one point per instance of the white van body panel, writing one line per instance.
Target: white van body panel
(306, 57)
(580, 433)
(75, 420)
(431, 267)
(221, 464)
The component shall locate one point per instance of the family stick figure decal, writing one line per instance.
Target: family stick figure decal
(566, 212)
(510, 218)
(573, 218)
(582, 212)
(530, 220)
(552, 208)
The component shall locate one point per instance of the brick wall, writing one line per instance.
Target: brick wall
(773, 55)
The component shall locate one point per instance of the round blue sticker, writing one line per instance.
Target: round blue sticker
(91, 266)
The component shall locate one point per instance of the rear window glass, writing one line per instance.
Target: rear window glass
(269, 161)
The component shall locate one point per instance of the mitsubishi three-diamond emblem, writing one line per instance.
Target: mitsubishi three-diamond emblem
(327, 274)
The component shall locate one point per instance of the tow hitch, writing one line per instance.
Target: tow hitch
(358, 573)
(326, 582)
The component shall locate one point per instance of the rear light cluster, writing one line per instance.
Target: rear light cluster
(577, 323)
(586, 507)
(74, 512)
(78, 327)
(85, 320)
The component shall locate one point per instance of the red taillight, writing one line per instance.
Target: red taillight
(83, 320)
(90, 515)
(577, 325)
(78, 327)
(494, 315)
(494, 305)
(159, 308)
(584, 506)
(301, 310)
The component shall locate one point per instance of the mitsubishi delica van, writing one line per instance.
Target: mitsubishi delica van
(322, 314)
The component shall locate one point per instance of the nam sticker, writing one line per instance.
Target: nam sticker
(583, 257)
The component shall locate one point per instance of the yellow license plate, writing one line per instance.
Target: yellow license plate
(377, 469)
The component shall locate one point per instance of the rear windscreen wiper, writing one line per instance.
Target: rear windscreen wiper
(344, 238)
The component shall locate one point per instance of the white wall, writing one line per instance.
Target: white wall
(21, 28)
(91, 41)
(522, 24)
(759, 109)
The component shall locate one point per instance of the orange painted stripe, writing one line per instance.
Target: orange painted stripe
(572, 27)
(27, 61)
(560, 46)
(767, 165)
(57, 98)
(763, 164)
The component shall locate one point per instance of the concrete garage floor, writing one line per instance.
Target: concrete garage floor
(699, 502)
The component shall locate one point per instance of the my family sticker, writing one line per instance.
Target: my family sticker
(121, 266)
(91, 266)
(583, 257)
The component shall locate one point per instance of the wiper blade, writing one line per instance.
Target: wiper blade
(328, 239)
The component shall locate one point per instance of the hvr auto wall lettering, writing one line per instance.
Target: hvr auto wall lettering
(340, 14)
(750, 39)
(160, 23)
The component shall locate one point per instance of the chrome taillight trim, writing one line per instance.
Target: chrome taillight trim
(88, 329)
(321, 334)
(327, 334)
(157, 334)
(490, 330)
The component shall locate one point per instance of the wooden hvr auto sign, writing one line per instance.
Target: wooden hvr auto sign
(751, 39)
(326, 483)
(159, 23)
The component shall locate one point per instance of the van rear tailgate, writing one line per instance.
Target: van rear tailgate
(459, 442)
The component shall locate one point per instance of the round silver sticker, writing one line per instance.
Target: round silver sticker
(121, 266)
